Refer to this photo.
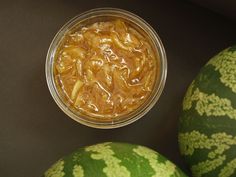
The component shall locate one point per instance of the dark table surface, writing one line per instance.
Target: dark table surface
(34, 132)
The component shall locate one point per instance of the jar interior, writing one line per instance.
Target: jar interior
(143, 30)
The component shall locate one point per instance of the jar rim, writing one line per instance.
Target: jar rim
(107, 12)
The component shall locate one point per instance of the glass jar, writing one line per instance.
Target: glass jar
(103, 14)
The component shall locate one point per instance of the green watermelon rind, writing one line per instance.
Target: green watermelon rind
(113, 159)
(207, 133)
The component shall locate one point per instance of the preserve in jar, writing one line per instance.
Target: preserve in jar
(106, 68)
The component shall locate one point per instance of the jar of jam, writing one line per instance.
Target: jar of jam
(106, 68)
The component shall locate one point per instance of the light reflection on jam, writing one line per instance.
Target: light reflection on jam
(106, 69)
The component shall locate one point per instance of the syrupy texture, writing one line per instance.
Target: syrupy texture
(106, 69)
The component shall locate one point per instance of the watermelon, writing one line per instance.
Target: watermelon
(112, 159)
(207, 128)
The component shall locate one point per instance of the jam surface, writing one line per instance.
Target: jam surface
(106, 69)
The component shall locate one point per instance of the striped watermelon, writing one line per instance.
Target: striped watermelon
(207, 131)
(114, 160)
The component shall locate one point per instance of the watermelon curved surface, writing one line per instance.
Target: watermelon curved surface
(207, 129)
(114, 160)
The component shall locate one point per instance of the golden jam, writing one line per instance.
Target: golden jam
(106, 69)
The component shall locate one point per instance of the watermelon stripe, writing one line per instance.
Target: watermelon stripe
(210, 105)
(161, 169)
(143, 168)
(225, 63)
(89, 166)
(220, 142)
(56, 170)
(188, 99)
(189, 142)
(216, 145)
(78, 171)
(204, 167)
(208, 81)
(113, 167)
(207, 125)
(229, 169)
(192, 140)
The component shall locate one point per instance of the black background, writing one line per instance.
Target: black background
(34, 132)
